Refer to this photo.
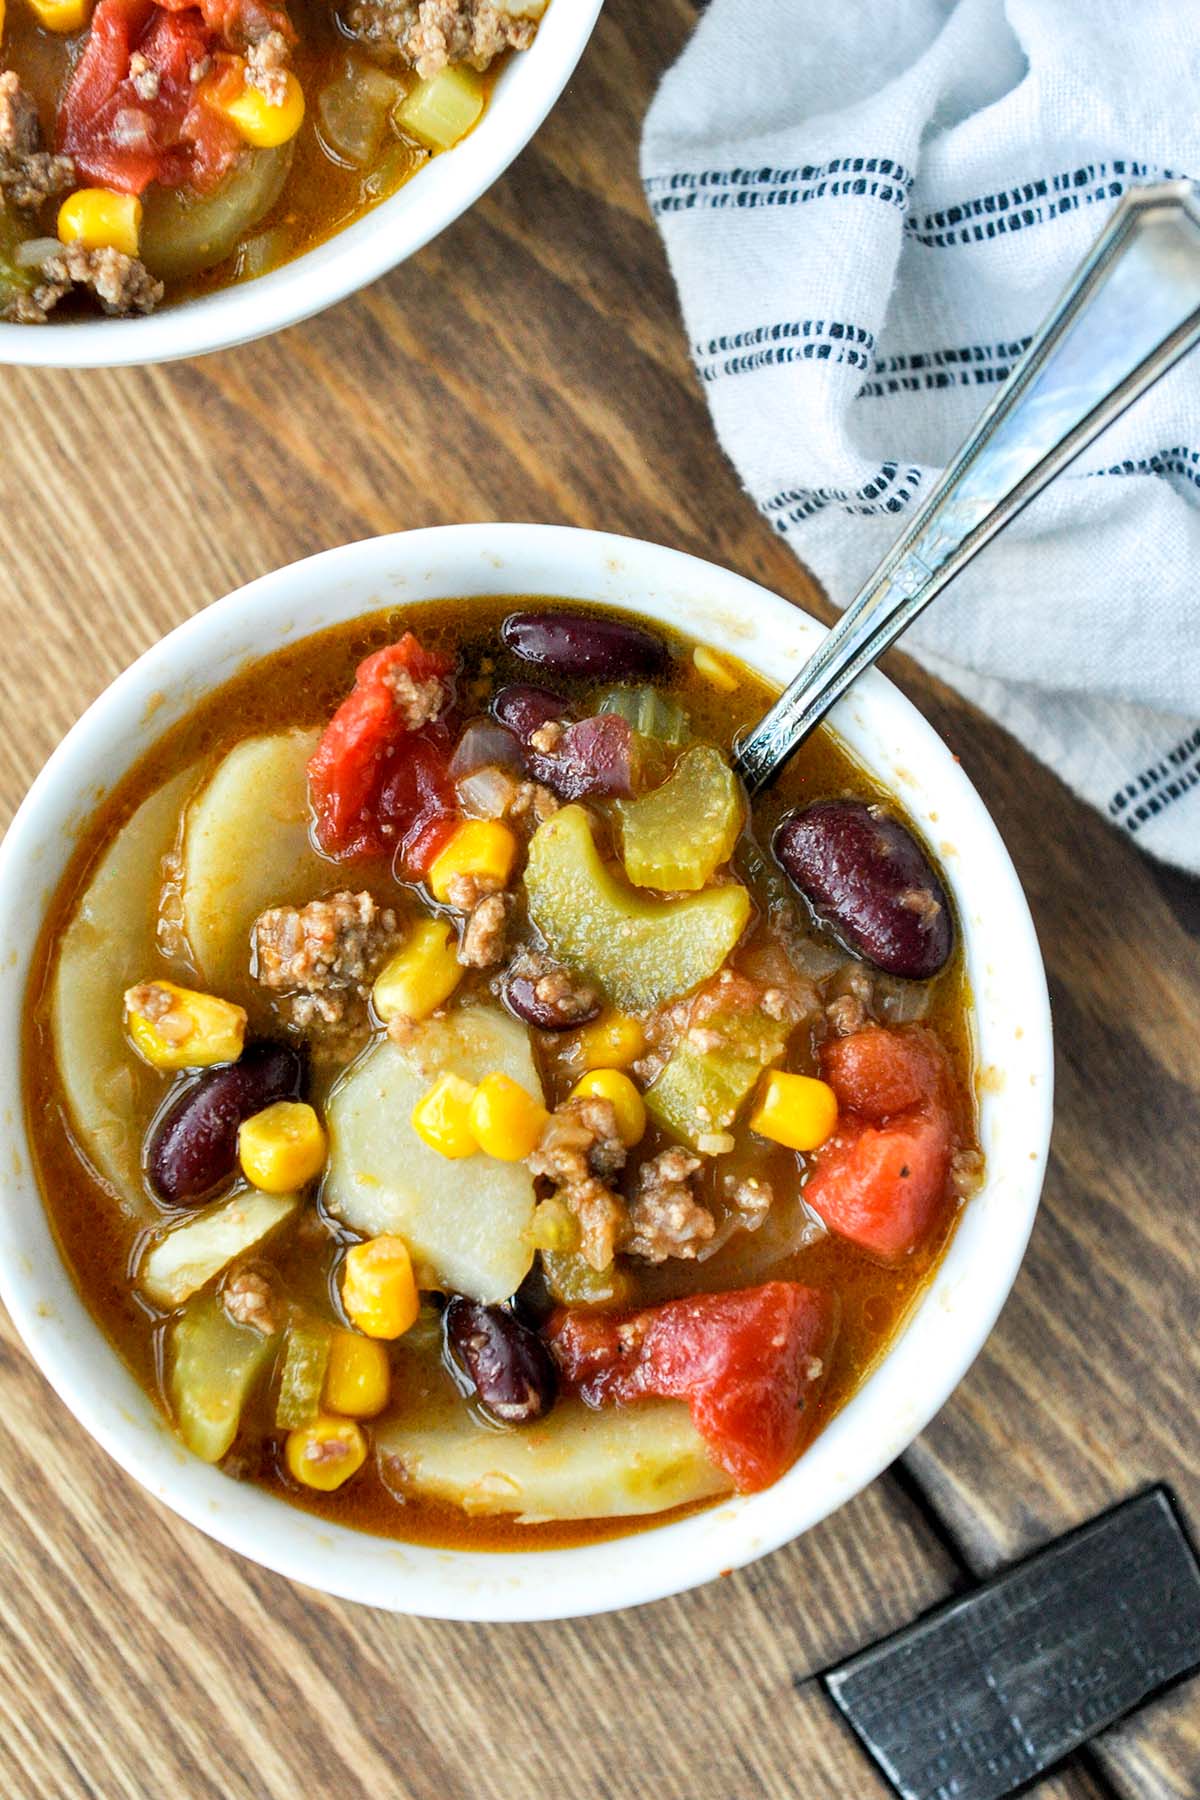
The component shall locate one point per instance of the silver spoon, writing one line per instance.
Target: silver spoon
(1130, 312)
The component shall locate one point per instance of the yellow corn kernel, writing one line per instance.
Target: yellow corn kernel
(796, 1110)
(422, 974)
(481, 847)
(248, 110)
(442, 1117)
(325, 1452)
(440, 112)
(177, 1028)
(714, 669)
(283, 1147)
(613, 1042)
(379, 1289)
(101, 220)
(358, 1377)
(506, 1122)
(57, 15)
(615, 1087)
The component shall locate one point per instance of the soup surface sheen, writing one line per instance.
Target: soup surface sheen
(106, 1220)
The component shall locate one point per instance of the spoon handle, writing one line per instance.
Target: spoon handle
(1131, 310)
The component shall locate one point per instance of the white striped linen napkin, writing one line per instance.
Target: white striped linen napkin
(867, 212)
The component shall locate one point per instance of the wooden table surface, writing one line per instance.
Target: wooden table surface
(530, 365)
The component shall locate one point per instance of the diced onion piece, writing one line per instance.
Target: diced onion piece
(440, 112)
(34, 251)
(482, 743)
(486, 793)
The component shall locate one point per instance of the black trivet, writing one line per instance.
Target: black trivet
(987, 1692)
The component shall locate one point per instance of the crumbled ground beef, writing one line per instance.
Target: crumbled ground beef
(850, 1008)
(548, 737)
(154, 1002)
(323, 955)
(966, 1172)
(752, 1199)
(581, 1152)
(267, 67)
(483, 938)
(430, 34)
(249, 1299)
(28, 173)
(561, 994)
(418, 702)
(534, 802)
(665, 1217)
(144, 79)
(121, 283)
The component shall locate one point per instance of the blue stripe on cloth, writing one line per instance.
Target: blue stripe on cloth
(1034, 202)
(785, 341)
(709, 190)
(969, 365)
(890, 492)
(1151, 792)
(1178, 461)
(886, 492)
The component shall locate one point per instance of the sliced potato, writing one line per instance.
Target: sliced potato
(574, 1464)
(246, 847)
(108, 945)
(187, 1257)
(213, 1366)
(465, 1221)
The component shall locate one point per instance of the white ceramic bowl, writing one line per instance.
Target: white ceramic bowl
(1013, 1042)
(527, 88)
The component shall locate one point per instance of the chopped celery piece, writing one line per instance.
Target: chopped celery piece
(700, 1092)
(641, 951)
(188, 1256)
(440, 112)
(573, 1282)
(679, 835)
(305, 1360)
(650, 713)
(214, 1364)
(14, 280)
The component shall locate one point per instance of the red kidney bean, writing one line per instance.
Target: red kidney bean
(524, 709)
(593, 756)
(867, 877)
(192, 1146)
(510, 1368)
(551, 999)
(574, 644)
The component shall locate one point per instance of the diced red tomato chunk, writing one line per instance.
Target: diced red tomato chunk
(882, 1179)
(876, 1072)
(884, 1186)
(750, 1364)
(118, 137)
(378, 783)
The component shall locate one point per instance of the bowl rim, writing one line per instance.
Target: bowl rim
(526, 89)
(946, 1329)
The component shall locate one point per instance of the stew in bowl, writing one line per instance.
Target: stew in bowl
(471, 1119)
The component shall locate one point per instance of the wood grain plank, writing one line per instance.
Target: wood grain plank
(1087, 1389)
